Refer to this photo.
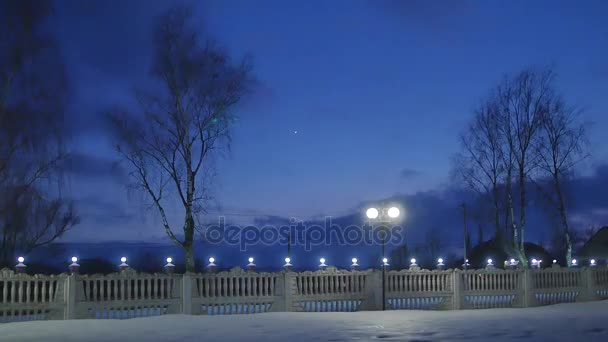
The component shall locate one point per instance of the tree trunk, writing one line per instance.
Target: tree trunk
(522, 214)
(563, 217)
(189, 256)
(496, 199)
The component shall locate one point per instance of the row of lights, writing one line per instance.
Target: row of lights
(440, 262)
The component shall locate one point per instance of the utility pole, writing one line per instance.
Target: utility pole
(464, 231)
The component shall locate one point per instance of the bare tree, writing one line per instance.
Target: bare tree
(182, 123)
(499, 149)
(33, 92)
(523, 100)
(561, 146)
(479, 165)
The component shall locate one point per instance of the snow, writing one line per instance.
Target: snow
(563, 322)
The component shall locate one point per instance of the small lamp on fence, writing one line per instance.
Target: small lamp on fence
(354, 264)
(534, 263)
(592, 263)
(74, 267)
(250, 265)
(288, 264)
(211, 266)
(123, 264)
(490, 263)
(384, 262)
(169, 267)
(574, 263)
(20, 267)
(440, 264)
(466, 264)
(322, 264)
(513, 264)
(554, 264)
(413, 264)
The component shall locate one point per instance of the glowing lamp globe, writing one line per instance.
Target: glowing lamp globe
(123, 259)
(211, 260)
(440, 260)
(251, 260)
(573, 261)
(21, 259)
(354, 260)
(385, 260)
(169, 260)
(74, 259)
(489, 261)
(393, 212)
(287, 260)
(322, 260)
(372, 213)
(413, 261)
(592, 262)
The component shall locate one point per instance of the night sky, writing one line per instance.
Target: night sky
(378, 92)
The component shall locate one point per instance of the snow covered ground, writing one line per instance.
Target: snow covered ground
(565, 322)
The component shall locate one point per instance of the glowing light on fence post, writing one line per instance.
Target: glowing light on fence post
(250, 265)
(490, 263)
(211, 266)
(574, 262)
(354, 264)
(592, 262)
(287, 266)
(384, 262)
(20, 267)
(169, 267)
(123, 264)
(74, 267)
(322, 264)
(534, 263)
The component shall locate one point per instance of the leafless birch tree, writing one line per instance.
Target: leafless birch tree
(181, 123)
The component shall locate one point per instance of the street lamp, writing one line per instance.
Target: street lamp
(383, 216)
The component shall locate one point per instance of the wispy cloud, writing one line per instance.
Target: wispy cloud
(408, 173)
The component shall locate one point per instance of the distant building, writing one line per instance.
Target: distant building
(596, 247)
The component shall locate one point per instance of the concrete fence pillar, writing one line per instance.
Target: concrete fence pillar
(70, 293)
(186, 294)
(588, 292)
(373, 291)
(458, 288)
(526, 289)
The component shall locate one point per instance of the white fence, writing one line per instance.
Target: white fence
(129, 294)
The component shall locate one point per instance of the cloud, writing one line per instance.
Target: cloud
(408, 173)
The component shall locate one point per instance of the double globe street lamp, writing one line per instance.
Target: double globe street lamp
(383, 216)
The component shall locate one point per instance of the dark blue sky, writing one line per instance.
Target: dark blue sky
(378, 92)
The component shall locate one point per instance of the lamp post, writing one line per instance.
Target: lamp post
(383, 216)
(464, 234)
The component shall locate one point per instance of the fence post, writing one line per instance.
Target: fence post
(288, 290)
(70, 297)
(527, 287)
(283, 294)
(457, 286)
(373, 291)
(588, 290)
(187, 294)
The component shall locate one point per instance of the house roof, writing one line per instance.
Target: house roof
(596, 246)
